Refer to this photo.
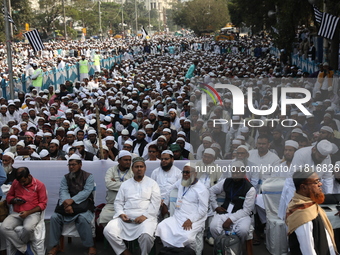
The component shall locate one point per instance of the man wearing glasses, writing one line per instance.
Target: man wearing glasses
(75, 205)
(180, 230)
(309, 230)
(316, 157)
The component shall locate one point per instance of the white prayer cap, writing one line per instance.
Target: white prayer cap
(324, 147)
(13, 137)
(327, 128)
(236, 142)
(172, 110)
(70, 133)
(237, 164)
(240, 137)
(167, 130)
(328, 115)
(243, 147)
(329, 109)
(309, 116)
(161, 137)
(107, 118)
(180, 139)
(129, 142)
(200, 120)
(40, 134)
(9, 154)
(292, 143)
(168, 152)
(21, 143)
(207, 138)
(109, 138)
(56, 141)
(33, 146)
(110, 129)
(74, 156)
(43, 153)
(209, 151)
(149, 126)
(123, 153)
(181, 133)
(102, 126)
(301, 114)
(78, 143)
(125, 132)
(91, 132)
(236, 118)
(142, 131)
(105, 147)
(47, 134)
(297, 130)
(244, 129)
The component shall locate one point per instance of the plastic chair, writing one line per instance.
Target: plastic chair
(37, 239)
(276, 230)
(70, 230)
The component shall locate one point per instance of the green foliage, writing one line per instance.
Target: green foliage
(201, 15)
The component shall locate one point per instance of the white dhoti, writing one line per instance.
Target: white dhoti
(241, 226)
(117, 230)
(172, 233)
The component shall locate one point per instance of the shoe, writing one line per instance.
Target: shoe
(54, 250)
(210, 241)
(92, 251)
(29, 250)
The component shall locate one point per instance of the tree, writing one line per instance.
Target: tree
(201, 15)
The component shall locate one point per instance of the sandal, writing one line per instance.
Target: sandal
(92, 251)
(54, 250)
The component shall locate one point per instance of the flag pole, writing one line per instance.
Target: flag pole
(9, 51)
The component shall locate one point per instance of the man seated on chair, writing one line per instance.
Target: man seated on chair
(75, 205)
(180, 230)
(28, 197)
(114, 178)
(137, 204)
(235, 212)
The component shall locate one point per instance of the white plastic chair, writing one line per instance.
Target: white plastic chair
(199, 236)
(37, 239)
(276, 230)
(70, 230)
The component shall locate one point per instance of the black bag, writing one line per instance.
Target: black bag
(176, 251)
(84, 206)
(227, 245)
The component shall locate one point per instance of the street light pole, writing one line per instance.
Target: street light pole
(9, 50)
(65, 34)
(100, 20)
(136, 17)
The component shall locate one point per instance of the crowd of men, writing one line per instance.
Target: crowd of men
(148, 107)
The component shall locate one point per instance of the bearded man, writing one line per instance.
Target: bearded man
(7, 163)
(180, 230)
(309, 230)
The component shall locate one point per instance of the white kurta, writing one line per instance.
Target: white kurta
(304, 234)
(136, 199)
(194, 206)
(166, 179)
(303, 157)
(264, 162)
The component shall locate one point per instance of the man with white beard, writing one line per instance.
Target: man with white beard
(7, 163)
(13, 140)
(180, 230)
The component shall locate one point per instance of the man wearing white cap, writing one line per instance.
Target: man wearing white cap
(290, 148)
(207, 170)
(114, 177)
(180, 230)
(75, 204)
(7, 164)
(54, 151)
(136, 206)
(207, 142)
(263, 158)
(248, 138)
(70, 138)
(166, 174)
(234, 214)
(316, 157)
(139, 143)
(92, 143)
(85, 155)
